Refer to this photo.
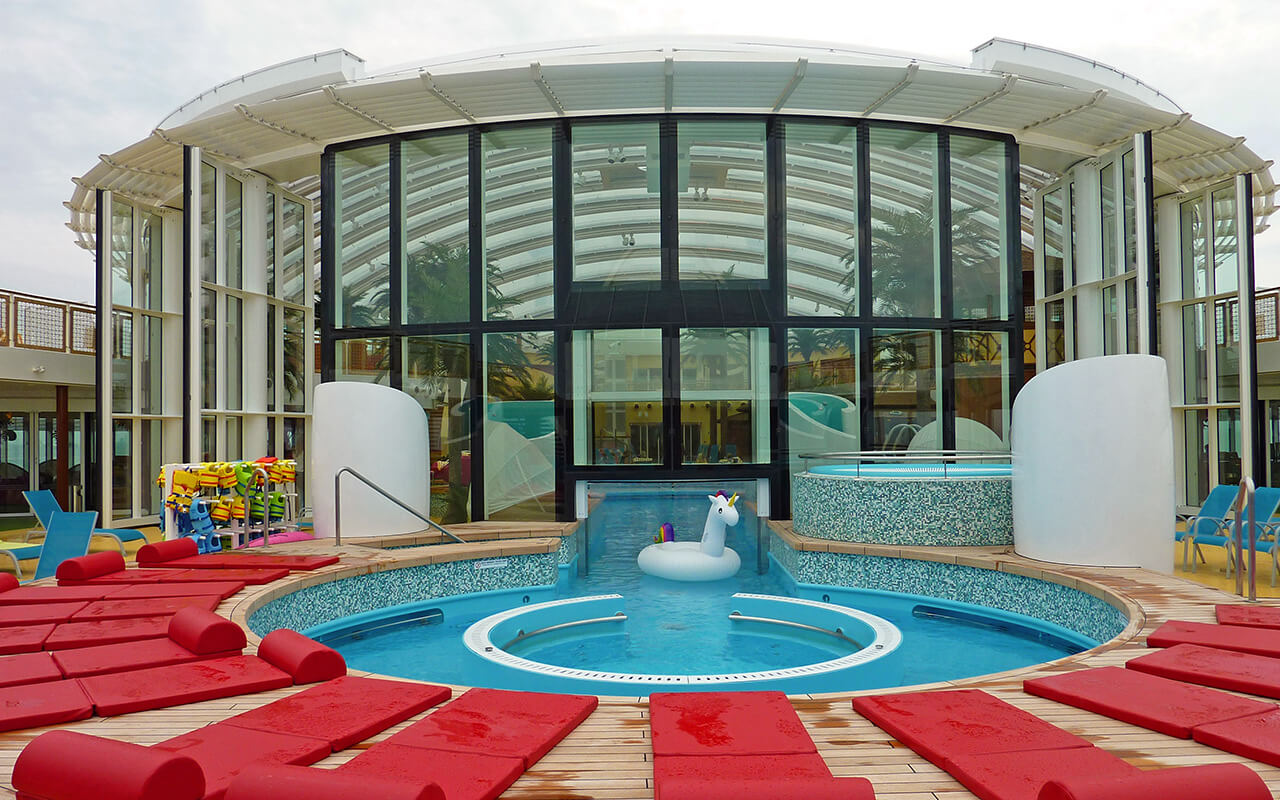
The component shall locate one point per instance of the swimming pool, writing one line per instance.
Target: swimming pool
(688, 630)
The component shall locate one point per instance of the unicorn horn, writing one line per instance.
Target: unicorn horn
(733, 499)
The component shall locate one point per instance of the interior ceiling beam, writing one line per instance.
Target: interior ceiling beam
(801, 65)
(332, 94)
(433, 88)
(912, 69)
(244, 111)
(1005, 88)
(535, 72)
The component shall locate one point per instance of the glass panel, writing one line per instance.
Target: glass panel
(1226, 241)
(617, 397)
(295, 360)
(121, 254)
(46, 451)
(904, 235)
(234, 444)
(1110, 320)
(1195, 377)
(616, 202)
(721, 196)
(15, 461)
(822, 220)
(1075, 327)
(979, 257)
(1129, 176)
(982, 390)
(364, 360)
(1131, 315)
(151, 262)
(208, 439)
(235, 232)
(821, 382)
(363, 226)
(121, 362)
(1229, 443)
(724, 400)
(273, 344)
(121, 469)
(1197, 456)
(1053, 261)
(519, 426)
(517, 224)
(1227, 339)
(235, 352)
(209, 348)
(151, 376)
(906, 372)
(295, 432)
(1055, 331)
(1195, 279)
(437, 267)
(208, 223)
(1110, 241)
(293, 256)
(1071, 274)
(150, 459)
(437, 372)
(269, 245)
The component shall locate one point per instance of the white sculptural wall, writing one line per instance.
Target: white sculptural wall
(381, 433)
(1093, 464)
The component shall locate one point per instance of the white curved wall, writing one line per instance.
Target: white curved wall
(1093, 464)
(382, 434)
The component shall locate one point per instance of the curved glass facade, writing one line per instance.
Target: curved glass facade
(673, 296)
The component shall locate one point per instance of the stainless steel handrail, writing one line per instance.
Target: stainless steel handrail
(337, 506)
(521, 635)
(944, 458)
(837, 633)
(1243, 504)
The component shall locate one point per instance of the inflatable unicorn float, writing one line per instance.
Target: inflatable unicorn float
(707, 560)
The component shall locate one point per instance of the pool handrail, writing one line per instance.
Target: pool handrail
(942, 457)
(337, 506)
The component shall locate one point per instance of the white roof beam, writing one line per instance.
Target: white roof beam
(244, 111)
(433, 88)
(164, 137)
(1217, 151)
(1207, 180)
(797, 76)
(116, 165)
(912, 69)
(1061, 115)
(149, 199)
(1005, 88)
(535, 72)
(1177, 123)
(332, 94)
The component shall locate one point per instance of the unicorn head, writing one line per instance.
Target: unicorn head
(722, 508)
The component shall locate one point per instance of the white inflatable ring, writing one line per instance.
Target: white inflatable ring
(685, 561)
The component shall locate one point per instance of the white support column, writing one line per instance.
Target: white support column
(1037, 256)
(191, 303)
(1248, 329)
(106, 441)
(1142, 241)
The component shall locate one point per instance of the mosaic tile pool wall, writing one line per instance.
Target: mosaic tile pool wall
(1053, 602)
(950, 512)
(326, 602)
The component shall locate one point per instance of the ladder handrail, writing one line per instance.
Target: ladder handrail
(1243, 503)
(337, 505)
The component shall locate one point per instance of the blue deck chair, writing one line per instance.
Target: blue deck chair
(66, 536)
(43, 504)
(1208, 525)
(1266, 502)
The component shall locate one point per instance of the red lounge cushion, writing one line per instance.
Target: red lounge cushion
(83, 568)
(1250, 616)
(461, 776)
(233, 561)
(106, 631)
(1256, 737)
(27, 595)
(24, 638)
(160, 552)
(788, 789)
(203, 632)
(147, 607)
(1160, 704)
(222, 751)
(1209, 666)
(305, 659)
(28, 668)
(65, 765)
(726, 724)
(125, 656)
(33, 614)
(8, 582)
(345, 710)
(220, 589)
(299, 783)
(1258, 641)
(36, 704)
(252, 577)
(1235, 781)
(941, 725)
(795, 765)
(179, 684)
(1020, 776)
(132, 576)
(524, 725)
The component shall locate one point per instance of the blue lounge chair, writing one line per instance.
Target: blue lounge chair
(1266, 502)
(66, 536)
(1208, 525)
(43, 504)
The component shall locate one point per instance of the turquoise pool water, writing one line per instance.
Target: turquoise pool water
(685, 629)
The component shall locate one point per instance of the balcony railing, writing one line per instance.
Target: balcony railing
(40, 323)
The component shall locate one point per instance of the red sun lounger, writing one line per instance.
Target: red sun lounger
(106, 631)
(39, 614)
(191, 635)
(219, 589)
(109, 568)
(1249, 616)
(1259, 641)
(460, 776)
(262, 782)
(1235, 781)
(182, 554)
(222, 751)
(28, 668)
(31, 595)
(125, 609)
(24, 638)
(1209, 666)
(36, 704)
(104, 769)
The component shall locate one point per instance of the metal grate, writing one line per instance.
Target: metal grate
(39, 325)
(1265, 312)
(84, 331)
(4, 320)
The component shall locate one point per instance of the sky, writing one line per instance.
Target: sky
(79, 78)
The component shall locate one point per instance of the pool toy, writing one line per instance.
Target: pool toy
(706, 560)
(666, 533)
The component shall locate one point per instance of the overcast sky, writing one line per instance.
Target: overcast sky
(81, 78)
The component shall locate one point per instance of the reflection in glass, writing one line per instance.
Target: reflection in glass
(121, 474)
(1227, 340)
(233, 443)
(1195, 377)
(269, 246)
(122, 362)
(617, 397)
(1055, 331)
(1131, 315)
(295, 432)
(272, 345)
(822, 220)
(150, 263)
(1110, 241)
(982, 390)
(293, 231)
(516, 166)
(363, 360)
(1229, 446)
(151, 375)
(1053, 260)
(234, 232)
(1110, 320)
(235, 350)
(906, 372)
(208, 439)
(208, 223)
(821, 382)
(616, 202)
(437, 372)
(1226, 241)
(1071, 274)
(295, 365)
(1197, 456)
(122, 254)
(724, 407)
(519, 426)
(15, 460)
(1195, 279)
(363, 236)
(904, 235)
(1130, 179)
(979, 261)
(437, 259)
(150, 459)
(721, 196)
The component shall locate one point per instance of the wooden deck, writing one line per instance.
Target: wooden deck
(609, 755)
